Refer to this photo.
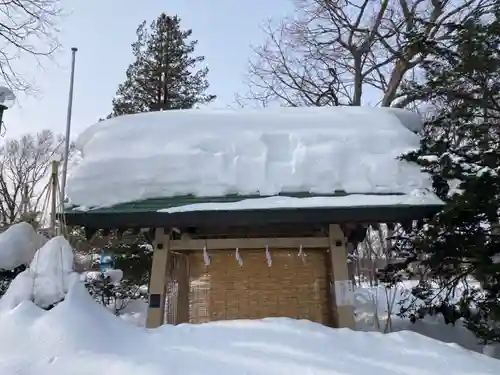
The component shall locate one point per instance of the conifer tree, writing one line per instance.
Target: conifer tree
(460, 247)
(165, 74)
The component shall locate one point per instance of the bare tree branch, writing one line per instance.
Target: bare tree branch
(24, 168)
(350, 52)
(27, 29)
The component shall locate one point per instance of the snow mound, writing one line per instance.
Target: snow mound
(263, 152)
(135, 312)
(373, 305)
(79, 336)
(18, 245)
(48, 278)
(115, 275)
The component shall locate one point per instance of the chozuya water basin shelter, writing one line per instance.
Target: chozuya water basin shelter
(251, 212)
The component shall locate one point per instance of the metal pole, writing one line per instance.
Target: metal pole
(53, 191)
(68, 126)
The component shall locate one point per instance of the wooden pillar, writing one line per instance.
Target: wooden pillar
(342, 285)
(158, 279)
(183, 290)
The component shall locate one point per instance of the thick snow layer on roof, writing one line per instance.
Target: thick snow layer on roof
(80, 337)
(269, 151)
(18, 245)
(47, 279)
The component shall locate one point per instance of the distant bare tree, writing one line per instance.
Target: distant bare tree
(27, 28)
(24, 169)
(372, 253)
(350, 52)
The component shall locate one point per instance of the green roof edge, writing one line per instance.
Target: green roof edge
(155, 204)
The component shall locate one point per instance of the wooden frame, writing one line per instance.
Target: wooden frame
(164, 245)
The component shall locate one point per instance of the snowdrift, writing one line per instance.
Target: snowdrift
(372, 303)
(18, 245)
(263, 152)
(48, 278)
(79, 336)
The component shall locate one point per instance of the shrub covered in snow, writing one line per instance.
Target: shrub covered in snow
(47, 279)
(116, 288)
(18, 245)
(109, 289)
(6, 277)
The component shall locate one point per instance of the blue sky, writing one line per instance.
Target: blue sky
(103, 32)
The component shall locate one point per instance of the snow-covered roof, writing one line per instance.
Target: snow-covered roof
(277, 202)
(266, 152)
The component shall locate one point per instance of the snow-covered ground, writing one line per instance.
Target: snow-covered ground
(374, 305)
(250, 152)
(79, 336)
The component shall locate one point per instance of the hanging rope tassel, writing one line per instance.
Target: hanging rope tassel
(302, 255)
(206, 257)
(238, 257)
(268, 257)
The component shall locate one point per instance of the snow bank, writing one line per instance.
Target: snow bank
(80, 337)
(367, 302)
(135, 312)
(18, 245)
(372, 303)
(47, 279)
(269, 151)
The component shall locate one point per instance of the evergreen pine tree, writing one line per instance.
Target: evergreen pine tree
(461, 151)
(164, 74)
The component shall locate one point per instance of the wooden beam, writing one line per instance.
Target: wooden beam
(250, 243)
(157, 281)
(343, 293)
